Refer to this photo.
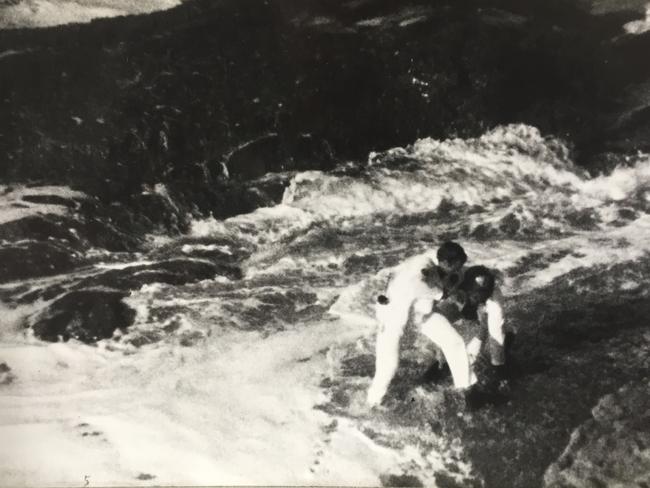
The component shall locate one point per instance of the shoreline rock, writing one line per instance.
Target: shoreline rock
(613, 447)
(86, 315)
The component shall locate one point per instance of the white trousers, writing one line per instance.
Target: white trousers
(392, 319)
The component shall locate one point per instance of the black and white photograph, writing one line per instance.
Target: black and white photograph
(312, 243)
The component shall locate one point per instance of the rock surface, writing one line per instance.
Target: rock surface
(86, 315)
(28, 259)
(612, 448)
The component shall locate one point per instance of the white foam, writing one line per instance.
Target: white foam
(45, 13)
(622, 182)
(130, 264)
(13, 207)
(190, 248)
(186, 416)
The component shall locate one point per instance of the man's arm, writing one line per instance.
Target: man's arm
(495, 326)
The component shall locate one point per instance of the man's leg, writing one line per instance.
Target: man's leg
(391, 318)
(441, 332)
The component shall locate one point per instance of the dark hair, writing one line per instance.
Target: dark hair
(479, 281)
(451, 252)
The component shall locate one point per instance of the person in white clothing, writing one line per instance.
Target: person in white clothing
(456, 309)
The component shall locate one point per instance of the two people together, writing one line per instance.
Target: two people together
(459, 308)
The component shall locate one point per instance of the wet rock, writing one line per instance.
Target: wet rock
(483, 232)
(33, 258)
(401, 480)
(612, 448)
(625, 216)
(107, 235)
(272, 186)
(501, 18)
(87, 315)
(6, 376)
(223, 250)
(190, 338)
(95, 225)
(225, 199)
(172, 272)
(257, 157)
(585, 219)
(273, 309)
(30, 295)
(536, 261)
(51, 200)
(278, 152)
(510, 224)
(40, 228)
(361, 263)
(115, 227)
(161, 211)
(145, 477)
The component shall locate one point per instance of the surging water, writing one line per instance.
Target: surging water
(217, 381)
(45, 13)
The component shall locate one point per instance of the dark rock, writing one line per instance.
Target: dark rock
(31, 295)
(585, 219)
(274, 310)
(256, 158)
(535, 261)
(190, 338)
(115, 226)
(41, 228)
(161, 211)
(217, 249)
(173, 272)
(33, 258)
(87, 315)
(613, 447)
(271, 187)
(52, 200)
(483, 232)
(106, 235)
(401, 480)
(510, 224)
(96, 225)
(358, 263)
(444, 480)
(442, 69)
(276, 152)
(145, 477)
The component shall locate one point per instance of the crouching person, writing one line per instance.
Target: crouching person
(437, 298)
(414, 287)
(474, 312)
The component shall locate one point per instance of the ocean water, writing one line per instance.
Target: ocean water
(229, 391)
